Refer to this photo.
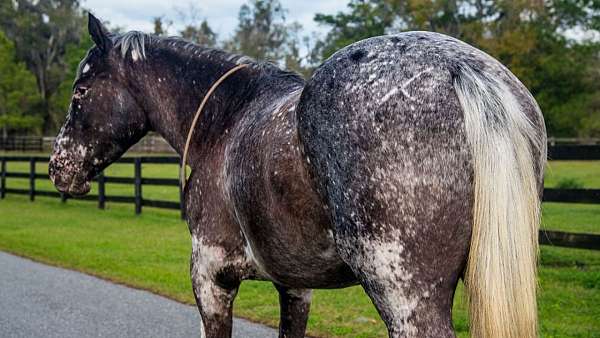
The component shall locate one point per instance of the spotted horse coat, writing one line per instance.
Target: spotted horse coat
(404, 163)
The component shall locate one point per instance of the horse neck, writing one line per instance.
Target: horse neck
(172, 85)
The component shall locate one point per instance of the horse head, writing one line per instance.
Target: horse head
(104, 118)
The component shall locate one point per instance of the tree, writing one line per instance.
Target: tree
(18, 95)
(261, 30)
(363, 20)
(41, 30)
(264, 34)
(530, 37)
(201, 34)
(159, 24)
(195, 28)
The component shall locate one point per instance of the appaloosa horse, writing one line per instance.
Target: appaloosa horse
(405, 163)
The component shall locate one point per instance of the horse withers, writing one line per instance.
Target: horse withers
(406, 163)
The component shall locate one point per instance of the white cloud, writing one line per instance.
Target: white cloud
(221, 15)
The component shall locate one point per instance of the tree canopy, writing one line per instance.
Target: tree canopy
(263, 33)
(18, 94)
(41, 31)
(553, 46)
(540, 41)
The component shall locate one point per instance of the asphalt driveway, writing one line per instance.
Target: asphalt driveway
(37, 300)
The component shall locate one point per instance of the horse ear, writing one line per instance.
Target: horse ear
(99, 33)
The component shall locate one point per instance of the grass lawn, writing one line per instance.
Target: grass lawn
(151, 251)
(586, 173)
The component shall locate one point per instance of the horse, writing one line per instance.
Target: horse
(405, 163)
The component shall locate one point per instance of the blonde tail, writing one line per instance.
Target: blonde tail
(501, 269)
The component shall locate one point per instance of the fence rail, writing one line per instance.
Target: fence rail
(22, 143)
(102, 197)
(557, 238)
(151, 143)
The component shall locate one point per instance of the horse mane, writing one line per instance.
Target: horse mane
(136, 43)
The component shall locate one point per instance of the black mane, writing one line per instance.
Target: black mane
(137, 43)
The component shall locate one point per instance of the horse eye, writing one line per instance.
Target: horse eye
(80, 92)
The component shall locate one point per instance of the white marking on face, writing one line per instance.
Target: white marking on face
(85, 69)
(135, 55)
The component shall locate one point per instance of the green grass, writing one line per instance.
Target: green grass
(585, 172)
(151, 251)
(571, 217)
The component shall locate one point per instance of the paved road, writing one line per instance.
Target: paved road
(37, 300)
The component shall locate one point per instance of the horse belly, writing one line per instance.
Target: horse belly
(299, 265)
(286, 226)
(288, 233)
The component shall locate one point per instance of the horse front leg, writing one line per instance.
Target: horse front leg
(294, 306)
(214, 297)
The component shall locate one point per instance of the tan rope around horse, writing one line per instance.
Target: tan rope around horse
(182, 171)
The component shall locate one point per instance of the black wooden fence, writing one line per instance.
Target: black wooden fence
(557, 238)
(22, 143)
(138, 181)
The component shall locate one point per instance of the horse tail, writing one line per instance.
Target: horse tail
(501, 270)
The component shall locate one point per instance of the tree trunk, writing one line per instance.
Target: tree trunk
(45, 96)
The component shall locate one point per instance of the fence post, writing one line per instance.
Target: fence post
(3, 179)
(32, 179)
(138, 185)
(101, 190)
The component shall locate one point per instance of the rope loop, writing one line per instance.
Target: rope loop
(182, 170)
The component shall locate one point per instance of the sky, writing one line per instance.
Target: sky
(221, 14)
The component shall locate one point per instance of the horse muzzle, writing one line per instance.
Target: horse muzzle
(68, 176)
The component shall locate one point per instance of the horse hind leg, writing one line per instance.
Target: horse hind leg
(406, 237)
(294, 307)
(411, 302)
